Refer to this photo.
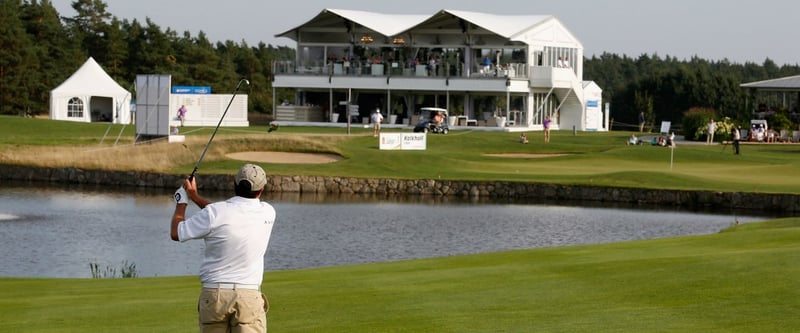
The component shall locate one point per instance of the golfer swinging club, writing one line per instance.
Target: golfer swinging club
(236, 233)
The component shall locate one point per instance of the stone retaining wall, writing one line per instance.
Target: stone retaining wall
(788, 203)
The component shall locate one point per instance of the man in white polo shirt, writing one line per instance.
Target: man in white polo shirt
(236, 233)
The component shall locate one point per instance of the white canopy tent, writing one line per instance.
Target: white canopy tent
(90, 95)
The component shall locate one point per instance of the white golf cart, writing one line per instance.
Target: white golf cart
(432, 120)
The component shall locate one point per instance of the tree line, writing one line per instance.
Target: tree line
(667, 88)
(41, 49)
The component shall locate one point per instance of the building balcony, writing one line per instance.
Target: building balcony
(372, 75)
(442, 70)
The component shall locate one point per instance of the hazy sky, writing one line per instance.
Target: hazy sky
(711, 29)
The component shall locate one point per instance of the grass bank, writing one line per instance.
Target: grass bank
(588, 158)
(740, 280)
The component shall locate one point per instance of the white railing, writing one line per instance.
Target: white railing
(514, 70)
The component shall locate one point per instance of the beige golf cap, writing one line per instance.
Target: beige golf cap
(254, 175)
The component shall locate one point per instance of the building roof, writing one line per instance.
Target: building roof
(785, 83)
(389, 25)
(507, 26)
(385, 24)
(90, 79)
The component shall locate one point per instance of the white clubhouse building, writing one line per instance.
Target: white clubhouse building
(507, 71)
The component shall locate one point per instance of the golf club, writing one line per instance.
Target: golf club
(203, 155)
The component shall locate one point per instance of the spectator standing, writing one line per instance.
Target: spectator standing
(182, 114)
(641, 122)
(546, 124)
(712, 127)
(376, 118)
(497, 67)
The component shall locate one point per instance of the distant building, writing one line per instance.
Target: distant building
(493, 70)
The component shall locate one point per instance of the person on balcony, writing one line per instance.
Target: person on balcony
(497, 66)
(432, 66)
(563, 62)
(487, 65)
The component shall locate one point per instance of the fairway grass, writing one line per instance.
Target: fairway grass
(741, 280)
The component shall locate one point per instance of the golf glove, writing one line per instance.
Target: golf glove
(181, 197)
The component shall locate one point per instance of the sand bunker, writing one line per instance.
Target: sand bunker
(526, 155)
(281, 157)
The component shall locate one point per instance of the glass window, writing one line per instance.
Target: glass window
(75, 108)
(312, 56)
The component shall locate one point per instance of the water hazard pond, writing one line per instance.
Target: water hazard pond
(60, 231)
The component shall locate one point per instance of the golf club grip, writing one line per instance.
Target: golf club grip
(194, 172)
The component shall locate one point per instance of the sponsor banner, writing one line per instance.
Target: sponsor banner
(391, 141)
(414, 141)
(191, 90)
(403, 141)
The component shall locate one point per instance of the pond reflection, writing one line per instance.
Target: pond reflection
(58, 231)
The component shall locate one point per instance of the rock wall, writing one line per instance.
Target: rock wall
(317, 184)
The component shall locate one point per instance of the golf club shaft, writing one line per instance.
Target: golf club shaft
(203, 155)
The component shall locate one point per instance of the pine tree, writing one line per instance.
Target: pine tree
(17, 62)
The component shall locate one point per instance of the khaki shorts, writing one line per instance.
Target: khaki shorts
(229, 310)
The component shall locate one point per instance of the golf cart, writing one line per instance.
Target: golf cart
(432, 120)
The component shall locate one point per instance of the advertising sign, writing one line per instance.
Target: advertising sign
(191, 90)
(403, 141)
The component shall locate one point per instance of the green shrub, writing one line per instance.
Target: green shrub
(779, 121)
(694, 122)
(723, 132)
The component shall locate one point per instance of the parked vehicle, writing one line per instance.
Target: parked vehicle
(758, 130)
(432, 120)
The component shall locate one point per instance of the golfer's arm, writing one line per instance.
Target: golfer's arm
(177, 217)
(198, 200)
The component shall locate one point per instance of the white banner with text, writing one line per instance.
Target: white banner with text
(403, 141)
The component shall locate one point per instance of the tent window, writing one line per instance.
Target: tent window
(75, 108)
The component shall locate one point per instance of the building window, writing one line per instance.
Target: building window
(75, 108)
(564, 57)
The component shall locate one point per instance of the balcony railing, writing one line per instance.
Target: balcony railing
(513, 70)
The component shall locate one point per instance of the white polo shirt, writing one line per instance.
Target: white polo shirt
(236, 233)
